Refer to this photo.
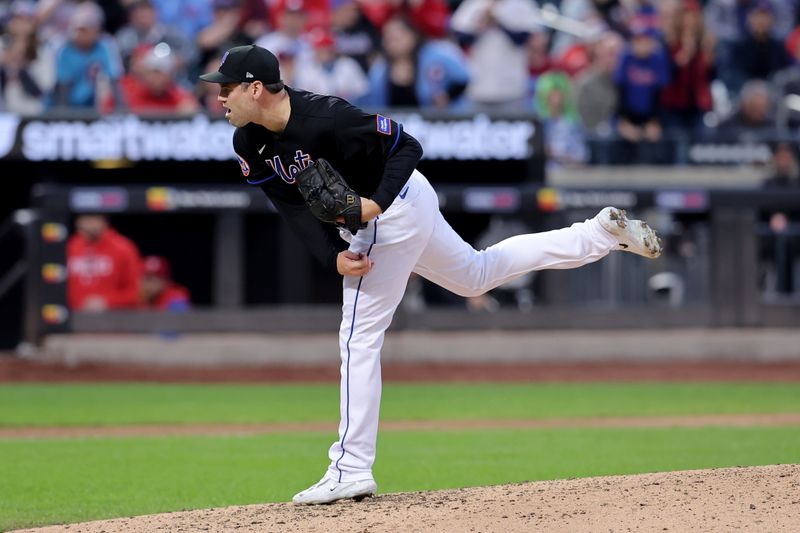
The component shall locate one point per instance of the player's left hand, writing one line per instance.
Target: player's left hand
(369, 210)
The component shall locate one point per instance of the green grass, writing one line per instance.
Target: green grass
(120, 404)
(61, 481)
(70, 480)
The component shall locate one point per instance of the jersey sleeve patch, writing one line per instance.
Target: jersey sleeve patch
(384, 124)
(243, 165)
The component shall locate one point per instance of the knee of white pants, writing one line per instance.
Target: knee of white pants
(468, 279)
(480, 282)
(469, 292)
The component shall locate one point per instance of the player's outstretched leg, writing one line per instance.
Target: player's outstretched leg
(634, 236)
(454, 264)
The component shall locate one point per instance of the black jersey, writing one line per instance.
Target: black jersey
(371, 152)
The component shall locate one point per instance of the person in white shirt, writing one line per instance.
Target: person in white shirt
(329, 73)
(496, 32)
(289, 38)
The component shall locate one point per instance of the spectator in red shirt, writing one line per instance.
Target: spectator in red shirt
(103, 267)
(158, 291)
(151, 88)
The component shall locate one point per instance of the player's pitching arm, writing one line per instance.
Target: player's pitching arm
(353, 264)
(369, 210)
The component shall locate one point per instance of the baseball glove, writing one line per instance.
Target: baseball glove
(328, 196)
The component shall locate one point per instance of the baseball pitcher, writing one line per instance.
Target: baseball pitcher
(346, 183)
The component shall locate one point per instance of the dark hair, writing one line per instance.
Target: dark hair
(274, 88)
(415, 32)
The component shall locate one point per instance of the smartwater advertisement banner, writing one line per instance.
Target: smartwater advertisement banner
(113, 138)
(200, 138)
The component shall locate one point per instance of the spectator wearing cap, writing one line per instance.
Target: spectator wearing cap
(356, 36)
(87, 63)
(158, 292)
(144, 28)
(329, 73)
(27, 71)
(289, 40)
(641, 73)
(757, 55)
(687, 97)
(414, 72)
(496, 33)
(645, 11)
(151, 88)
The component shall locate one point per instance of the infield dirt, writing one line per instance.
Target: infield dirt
(765, 498)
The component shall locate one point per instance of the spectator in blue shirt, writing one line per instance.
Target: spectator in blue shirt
(86, 62)
(641, 74)
(187, 16)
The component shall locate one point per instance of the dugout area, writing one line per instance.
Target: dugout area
(246, 273)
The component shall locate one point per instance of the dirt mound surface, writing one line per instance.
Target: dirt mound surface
(763, 498)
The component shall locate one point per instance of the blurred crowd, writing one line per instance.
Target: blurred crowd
(637, 70)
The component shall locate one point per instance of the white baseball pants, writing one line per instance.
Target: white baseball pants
(412, 236)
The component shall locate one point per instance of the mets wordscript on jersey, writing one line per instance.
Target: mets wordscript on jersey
(301, 159)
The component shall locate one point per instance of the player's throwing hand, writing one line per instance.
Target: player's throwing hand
(353, 264)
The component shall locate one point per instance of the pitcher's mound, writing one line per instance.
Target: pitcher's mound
(765, 498)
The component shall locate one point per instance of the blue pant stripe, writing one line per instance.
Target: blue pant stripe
(347, 365)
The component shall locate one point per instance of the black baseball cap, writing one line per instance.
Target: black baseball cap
(246, 63)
